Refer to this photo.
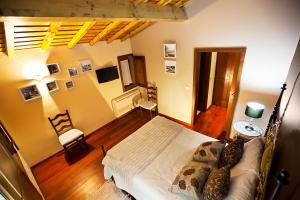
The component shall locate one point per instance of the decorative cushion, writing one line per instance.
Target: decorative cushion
(209, 151)
(232, 153)
(217, 184)
(191, 179)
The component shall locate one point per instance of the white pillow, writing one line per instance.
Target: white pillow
(245, 174)
(251, 158)
(242, 186)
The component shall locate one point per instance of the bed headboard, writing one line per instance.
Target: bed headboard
(269, 148)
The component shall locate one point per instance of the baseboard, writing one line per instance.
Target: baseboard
(176, 120)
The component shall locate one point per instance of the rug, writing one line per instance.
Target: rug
(108, 191)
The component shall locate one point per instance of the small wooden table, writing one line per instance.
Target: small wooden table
(246, 134)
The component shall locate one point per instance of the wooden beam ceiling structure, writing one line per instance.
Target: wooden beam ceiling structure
(176, 3)
(31, 24)
(89, 10)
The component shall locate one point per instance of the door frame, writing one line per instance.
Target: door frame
(196, 74)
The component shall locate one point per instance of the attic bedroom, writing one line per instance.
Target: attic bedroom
(149, 99)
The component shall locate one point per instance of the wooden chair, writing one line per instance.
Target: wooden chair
(151, 103)
(67, 134)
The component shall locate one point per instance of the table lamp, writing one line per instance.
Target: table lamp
(253, 110)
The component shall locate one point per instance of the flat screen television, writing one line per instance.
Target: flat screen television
(107, 74)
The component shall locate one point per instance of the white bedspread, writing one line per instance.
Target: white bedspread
(151, 178)
(153, 182)
(137, 151)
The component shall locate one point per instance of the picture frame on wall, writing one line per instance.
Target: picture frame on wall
(169, 51)
(86, 65)
(30, 92)
(73, 71)
(170, 66)
(53, 68)
(52, 86)
(69, 84)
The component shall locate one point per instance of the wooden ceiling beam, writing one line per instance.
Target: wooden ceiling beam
(9, 38)
(164, 2)
(180, 3)
(83, 30)
(141, 1)
(53, 29)
(136, 31)
(105, 32)
(82, 10)
(122, 31)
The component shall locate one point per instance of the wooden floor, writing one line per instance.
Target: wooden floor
(211, 122)
(60, 180)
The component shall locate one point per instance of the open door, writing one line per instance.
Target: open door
(227, 74)
(234, 88)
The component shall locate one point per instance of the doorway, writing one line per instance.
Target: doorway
(217, 73)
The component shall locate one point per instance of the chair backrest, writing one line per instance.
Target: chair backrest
(61, 123)
(136, 100)
(152, 93)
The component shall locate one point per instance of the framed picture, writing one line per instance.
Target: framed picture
(169, 50)
(86, 65)
(69, 84)
(30, 92)
(170, 66)
(53, 68)
(73, 72)
(52, 86)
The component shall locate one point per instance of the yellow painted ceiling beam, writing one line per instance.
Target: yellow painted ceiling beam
(9, 38)
(122, 31)
(164, 2)
(53, 29)
(105, 31)
(83, 30)
(136, 31)
(180, 3)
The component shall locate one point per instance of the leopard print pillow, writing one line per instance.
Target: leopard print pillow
(232, 153)
(191, 179)
(217, 184)
(209, 151)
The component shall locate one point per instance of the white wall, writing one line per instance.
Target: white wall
(269, 29)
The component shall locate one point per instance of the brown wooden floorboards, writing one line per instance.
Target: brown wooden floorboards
(211, 122)
(59, 180)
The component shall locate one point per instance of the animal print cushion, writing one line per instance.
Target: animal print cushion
(209, 151)
(217, 184)
(232, 153)
(191, 179)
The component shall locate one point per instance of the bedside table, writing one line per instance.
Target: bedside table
(242, 132)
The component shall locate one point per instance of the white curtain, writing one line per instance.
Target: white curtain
(126, 72)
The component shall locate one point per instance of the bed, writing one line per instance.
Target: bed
(146, 162)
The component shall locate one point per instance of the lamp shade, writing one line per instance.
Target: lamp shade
(254, 110)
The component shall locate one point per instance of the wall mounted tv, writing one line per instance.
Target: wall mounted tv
(107, 74)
